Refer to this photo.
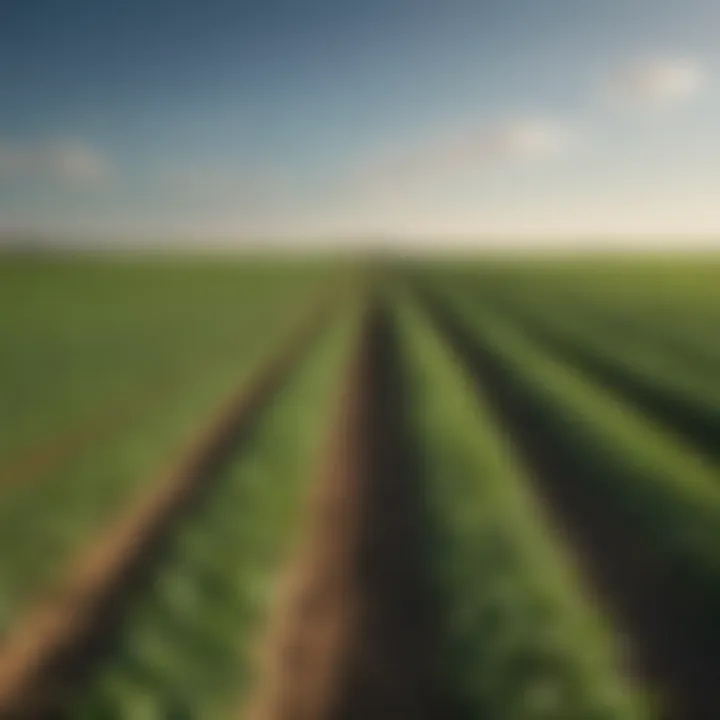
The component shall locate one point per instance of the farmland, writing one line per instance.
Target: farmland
(272, 489)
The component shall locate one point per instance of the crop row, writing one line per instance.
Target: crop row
(643, 507)
(667, 387)
(567, 523)
(657, 482)
(81, 340)
(188, 645)
(521, 639)
(48, 518)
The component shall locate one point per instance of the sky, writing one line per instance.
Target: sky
(427, 121)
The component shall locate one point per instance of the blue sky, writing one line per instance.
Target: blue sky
(408, 118)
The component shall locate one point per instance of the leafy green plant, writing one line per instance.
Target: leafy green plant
(521, 639)
(188, 645)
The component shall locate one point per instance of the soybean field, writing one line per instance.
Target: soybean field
(331, 490)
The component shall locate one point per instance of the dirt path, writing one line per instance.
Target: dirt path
(353, 636)
(394, 672)
(671, 646)
(303, 656)
(50, 652)
(355, 631)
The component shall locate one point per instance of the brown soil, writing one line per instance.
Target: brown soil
(51, 651)
(354, 634)
(672, 643)
(303, 656)
(394, 664)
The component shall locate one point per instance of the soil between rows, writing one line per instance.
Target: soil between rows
(353, 635)
(356, 635)
(670, 647)
(394, 670)
(51, 653)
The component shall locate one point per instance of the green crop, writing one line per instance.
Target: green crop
(228, 324)
(521, 640)
(653, 481)
(186, 648)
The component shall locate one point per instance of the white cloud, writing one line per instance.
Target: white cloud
(466, 152)
(659, 81)
(230, 184)
(526, 139)
(77, 162)
(62, 161)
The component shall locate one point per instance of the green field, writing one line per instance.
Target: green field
(544, 435)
